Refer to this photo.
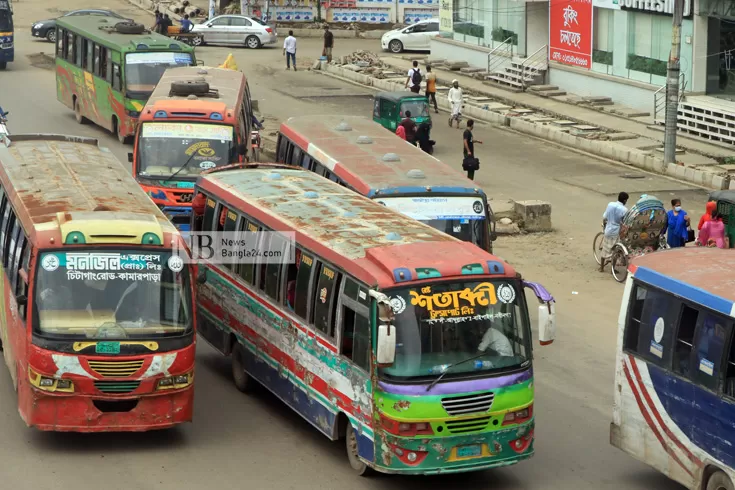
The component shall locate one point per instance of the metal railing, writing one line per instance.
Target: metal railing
(535, 64)
(659, 97)
(500, 54)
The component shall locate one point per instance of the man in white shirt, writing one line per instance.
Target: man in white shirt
(455, 100)
(414, 75)
(289, 50)
(611, 220)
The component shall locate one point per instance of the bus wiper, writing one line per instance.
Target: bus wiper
(186, 163)
(439, 378)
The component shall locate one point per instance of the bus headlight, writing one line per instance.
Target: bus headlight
(175, 382)
(46, 383)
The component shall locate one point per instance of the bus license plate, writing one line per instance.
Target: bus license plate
(107, 348)
(472, 451)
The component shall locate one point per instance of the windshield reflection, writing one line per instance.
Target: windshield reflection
(6, 20)
(473, 231)
(144, 70)
(418, 108)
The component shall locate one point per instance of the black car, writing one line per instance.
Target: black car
(47, 28)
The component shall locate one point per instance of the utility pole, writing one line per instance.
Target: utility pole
(212, 9)
(672, 85)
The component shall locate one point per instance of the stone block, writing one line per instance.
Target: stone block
(659, 165)
(689, 174)
(681, 172)
(607, 150)
(622, 154)
(718, 182)
(697, 177)
(317, 65)
(707, 179)
(732, 184)
(535, 215)
(671, 169)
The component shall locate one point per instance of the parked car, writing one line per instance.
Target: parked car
(47, 28)
(413, 37)
(235, 29)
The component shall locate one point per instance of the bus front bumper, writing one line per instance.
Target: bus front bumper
(81, 413)
(455, 454)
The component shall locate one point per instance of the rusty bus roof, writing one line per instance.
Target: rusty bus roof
(46, 174)
(356, 233)
(357, 150)
(701, 274)
(229, 84)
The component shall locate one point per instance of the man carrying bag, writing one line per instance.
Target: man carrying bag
(470, 164)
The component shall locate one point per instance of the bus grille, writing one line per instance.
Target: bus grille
(467, 425)
(463, 405)
(184, 196)
(116, 386)
(116, 369)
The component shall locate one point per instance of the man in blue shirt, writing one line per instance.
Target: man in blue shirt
(186, 24)
(611, 220)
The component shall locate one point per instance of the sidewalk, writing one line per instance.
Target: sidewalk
(585, 129)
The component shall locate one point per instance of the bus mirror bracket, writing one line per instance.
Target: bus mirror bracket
(546, 313)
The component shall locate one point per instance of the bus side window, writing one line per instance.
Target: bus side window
(15, 251)
(246, 269)
(78, 51)
(685, 340)
(730, 372)
(221, 215)
(230, 225)
(274, 267)
(654, 325)
(295, 156)
(22, 285)
(8, 242)
(108, 69)
(116, 80)
(5, 209)
(303, 280)
(96, 67)
(90, 56)
(60, 36)
(355, 338)
(102, 67)
(713, 332)
(208, 224)
(306, 161)
(325, 299)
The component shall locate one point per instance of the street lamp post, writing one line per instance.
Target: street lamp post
(672, 85)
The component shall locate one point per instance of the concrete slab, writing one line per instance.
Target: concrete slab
(585, 127)
(563, 123)
(542, 88)
(626, 111)
(524, 111)
(621, 136)
(471, 69)
(552, 93)
(479, 99)
(679, 151)
(639, 144)
(596, 98)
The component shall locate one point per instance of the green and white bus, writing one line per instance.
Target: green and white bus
(106, 70)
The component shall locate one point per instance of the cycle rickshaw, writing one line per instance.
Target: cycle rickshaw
(642, 231)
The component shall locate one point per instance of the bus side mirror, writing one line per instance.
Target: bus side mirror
(130, 157)
(546, 323)
(386, 351)
(202, 276)
(21, 300)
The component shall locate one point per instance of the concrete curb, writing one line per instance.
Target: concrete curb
(604, 149)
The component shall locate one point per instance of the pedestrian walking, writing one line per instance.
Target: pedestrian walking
(431, 88)
(456, 98)
(413, 82)
(677, 233)
(328, 43)
(612, 218)
(712, 233)
(289, 50)
(471, 163)
(186, 24)
(165, 24)
(156, 27)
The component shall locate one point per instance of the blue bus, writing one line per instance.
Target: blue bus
(7, 47)
(360, 154)
(674, 405)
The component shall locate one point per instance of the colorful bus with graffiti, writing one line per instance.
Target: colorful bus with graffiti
(97, 315)
(412, 346)
(195, 120)
(106, 69)
(360, 154)
(674, 395)
(7, 44)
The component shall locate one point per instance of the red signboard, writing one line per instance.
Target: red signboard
(570, 32)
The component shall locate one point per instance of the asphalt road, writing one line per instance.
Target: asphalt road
(254, 442)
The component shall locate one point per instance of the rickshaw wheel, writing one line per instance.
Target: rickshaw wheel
(619, 264)
(597, 247)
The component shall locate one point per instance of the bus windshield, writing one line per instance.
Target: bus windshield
(144, 70)
(459, 216)
(443, 324)
(187, 148)
(111, 293)
(6, 20)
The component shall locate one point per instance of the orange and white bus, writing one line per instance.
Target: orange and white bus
(196, 119)
(97, 318)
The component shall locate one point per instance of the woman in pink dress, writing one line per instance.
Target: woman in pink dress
(712, 233)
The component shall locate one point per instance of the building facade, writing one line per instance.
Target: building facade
(616, 48)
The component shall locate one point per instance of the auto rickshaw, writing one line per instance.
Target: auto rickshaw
(390, 108)
(726, 207)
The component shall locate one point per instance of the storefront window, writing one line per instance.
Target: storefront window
(469, 22)
(509, 21)
(602, 45)
(649, 44)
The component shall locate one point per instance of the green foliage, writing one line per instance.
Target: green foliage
(646, 65)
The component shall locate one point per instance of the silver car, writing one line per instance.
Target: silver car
(235, 29)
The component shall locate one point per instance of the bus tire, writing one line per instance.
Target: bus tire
(129, 28)
(242, 379)
(719, 481)
(358, 465)
(3, 65)
(123, 139)
(78, 112)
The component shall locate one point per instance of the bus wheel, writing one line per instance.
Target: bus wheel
(116, 129)
(242, 379)
(78, 112)
(3, 65)
(357, 464)
(256, 154)
(719, 481)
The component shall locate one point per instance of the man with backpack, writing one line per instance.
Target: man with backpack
(413, 82)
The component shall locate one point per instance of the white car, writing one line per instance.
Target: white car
(235, 29)
(415, 36)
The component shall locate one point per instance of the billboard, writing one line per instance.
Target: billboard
(446, 15)
(570, 32)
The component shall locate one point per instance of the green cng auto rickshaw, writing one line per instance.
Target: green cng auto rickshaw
(390, 108)
(726, 207)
